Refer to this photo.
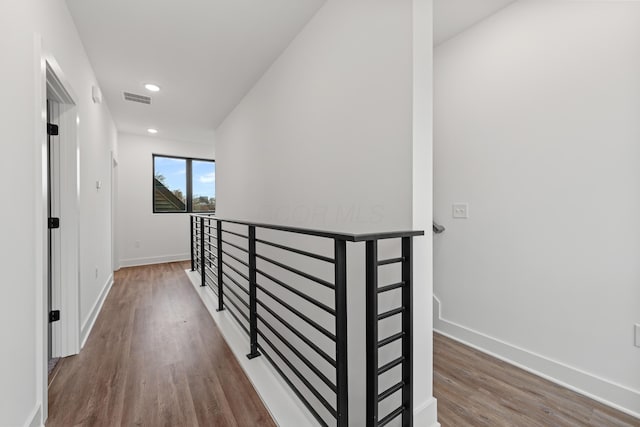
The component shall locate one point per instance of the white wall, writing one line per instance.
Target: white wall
(21, 370)
(162, 237)
(536, 127)
(324, 140)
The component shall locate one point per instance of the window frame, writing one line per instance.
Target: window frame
(189, 187)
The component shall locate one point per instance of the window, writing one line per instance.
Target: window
(183, 185)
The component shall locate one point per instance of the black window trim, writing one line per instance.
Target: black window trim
(189, 195)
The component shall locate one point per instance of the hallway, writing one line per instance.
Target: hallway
(155, 357)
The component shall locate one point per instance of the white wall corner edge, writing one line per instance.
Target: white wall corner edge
(35, 418)
(134, 262)
(87, 325)
(604, 391)
(426, 414)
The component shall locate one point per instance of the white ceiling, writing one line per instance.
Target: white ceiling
(452, 17)
(205, 55)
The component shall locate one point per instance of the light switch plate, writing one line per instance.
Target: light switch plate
(460, 210)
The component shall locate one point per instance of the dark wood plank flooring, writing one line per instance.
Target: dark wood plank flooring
(475, 389)
(155, 358)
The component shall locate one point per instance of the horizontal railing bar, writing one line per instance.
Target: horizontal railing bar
(389, 366)
(294, 388)
(235, 246)
(388, 392)
(244, 276)
(349, 237)
(207, 276)
(390, 261)
(236, 258)
(384, 236)
(298, 313)
(299, 293)
(239, 310)
(297, 251)
(390, 287)
(213, 236)
(246, 291)
(390, 313)
(213, 254)
(389, 340)
(300, 356)
(298, 272)
(386, 420)
(211, 271)
(244, 328)
(244, 236)
(301, 377)
(299, 334)
(234, 293)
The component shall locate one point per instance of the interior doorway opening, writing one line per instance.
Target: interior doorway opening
(61, 197)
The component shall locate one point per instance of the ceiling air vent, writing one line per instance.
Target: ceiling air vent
(137, 98)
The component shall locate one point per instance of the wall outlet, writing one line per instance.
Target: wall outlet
(637, 331)
(460, 210)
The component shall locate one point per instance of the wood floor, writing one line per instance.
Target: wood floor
(474, 389)
(154, 358)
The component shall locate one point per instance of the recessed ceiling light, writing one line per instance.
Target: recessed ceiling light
(152, 130)
(151, 87)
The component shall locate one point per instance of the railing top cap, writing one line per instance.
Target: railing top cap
(348, 237)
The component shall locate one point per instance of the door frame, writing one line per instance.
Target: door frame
(50, 81)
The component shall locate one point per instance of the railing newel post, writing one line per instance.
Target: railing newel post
(192, 238)
(371, 301)
(407, 328)
(209, 241)
(219, 262)
(203, 259)
(253, 306)
(342, 378)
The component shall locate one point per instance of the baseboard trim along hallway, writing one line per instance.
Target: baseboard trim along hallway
(591, 386)
(88, 324)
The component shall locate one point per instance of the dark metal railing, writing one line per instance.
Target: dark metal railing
(281, 306)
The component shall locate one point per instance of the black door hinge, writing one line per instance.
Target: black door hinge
(54, 316)
(52, 129)
(54, 223)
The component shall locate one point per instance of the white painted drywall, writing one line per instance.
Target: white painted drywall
(324, 140)
(425, 407)
(537, 127)
(21, 370)
(163, 237)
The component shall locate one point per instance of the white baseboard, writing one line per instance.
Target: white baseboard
(607, 392)
(426, 414)
(35, 418)
(95, 310)
(285, 408)
(134, 262)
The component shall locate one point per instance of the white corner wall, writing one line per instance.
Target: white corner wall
(162, 237)
(537, 127)
(22, 23)
(324, 140)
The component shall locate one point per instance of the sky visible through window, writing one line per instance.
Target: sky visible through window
(204, 179)
(174, 172)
